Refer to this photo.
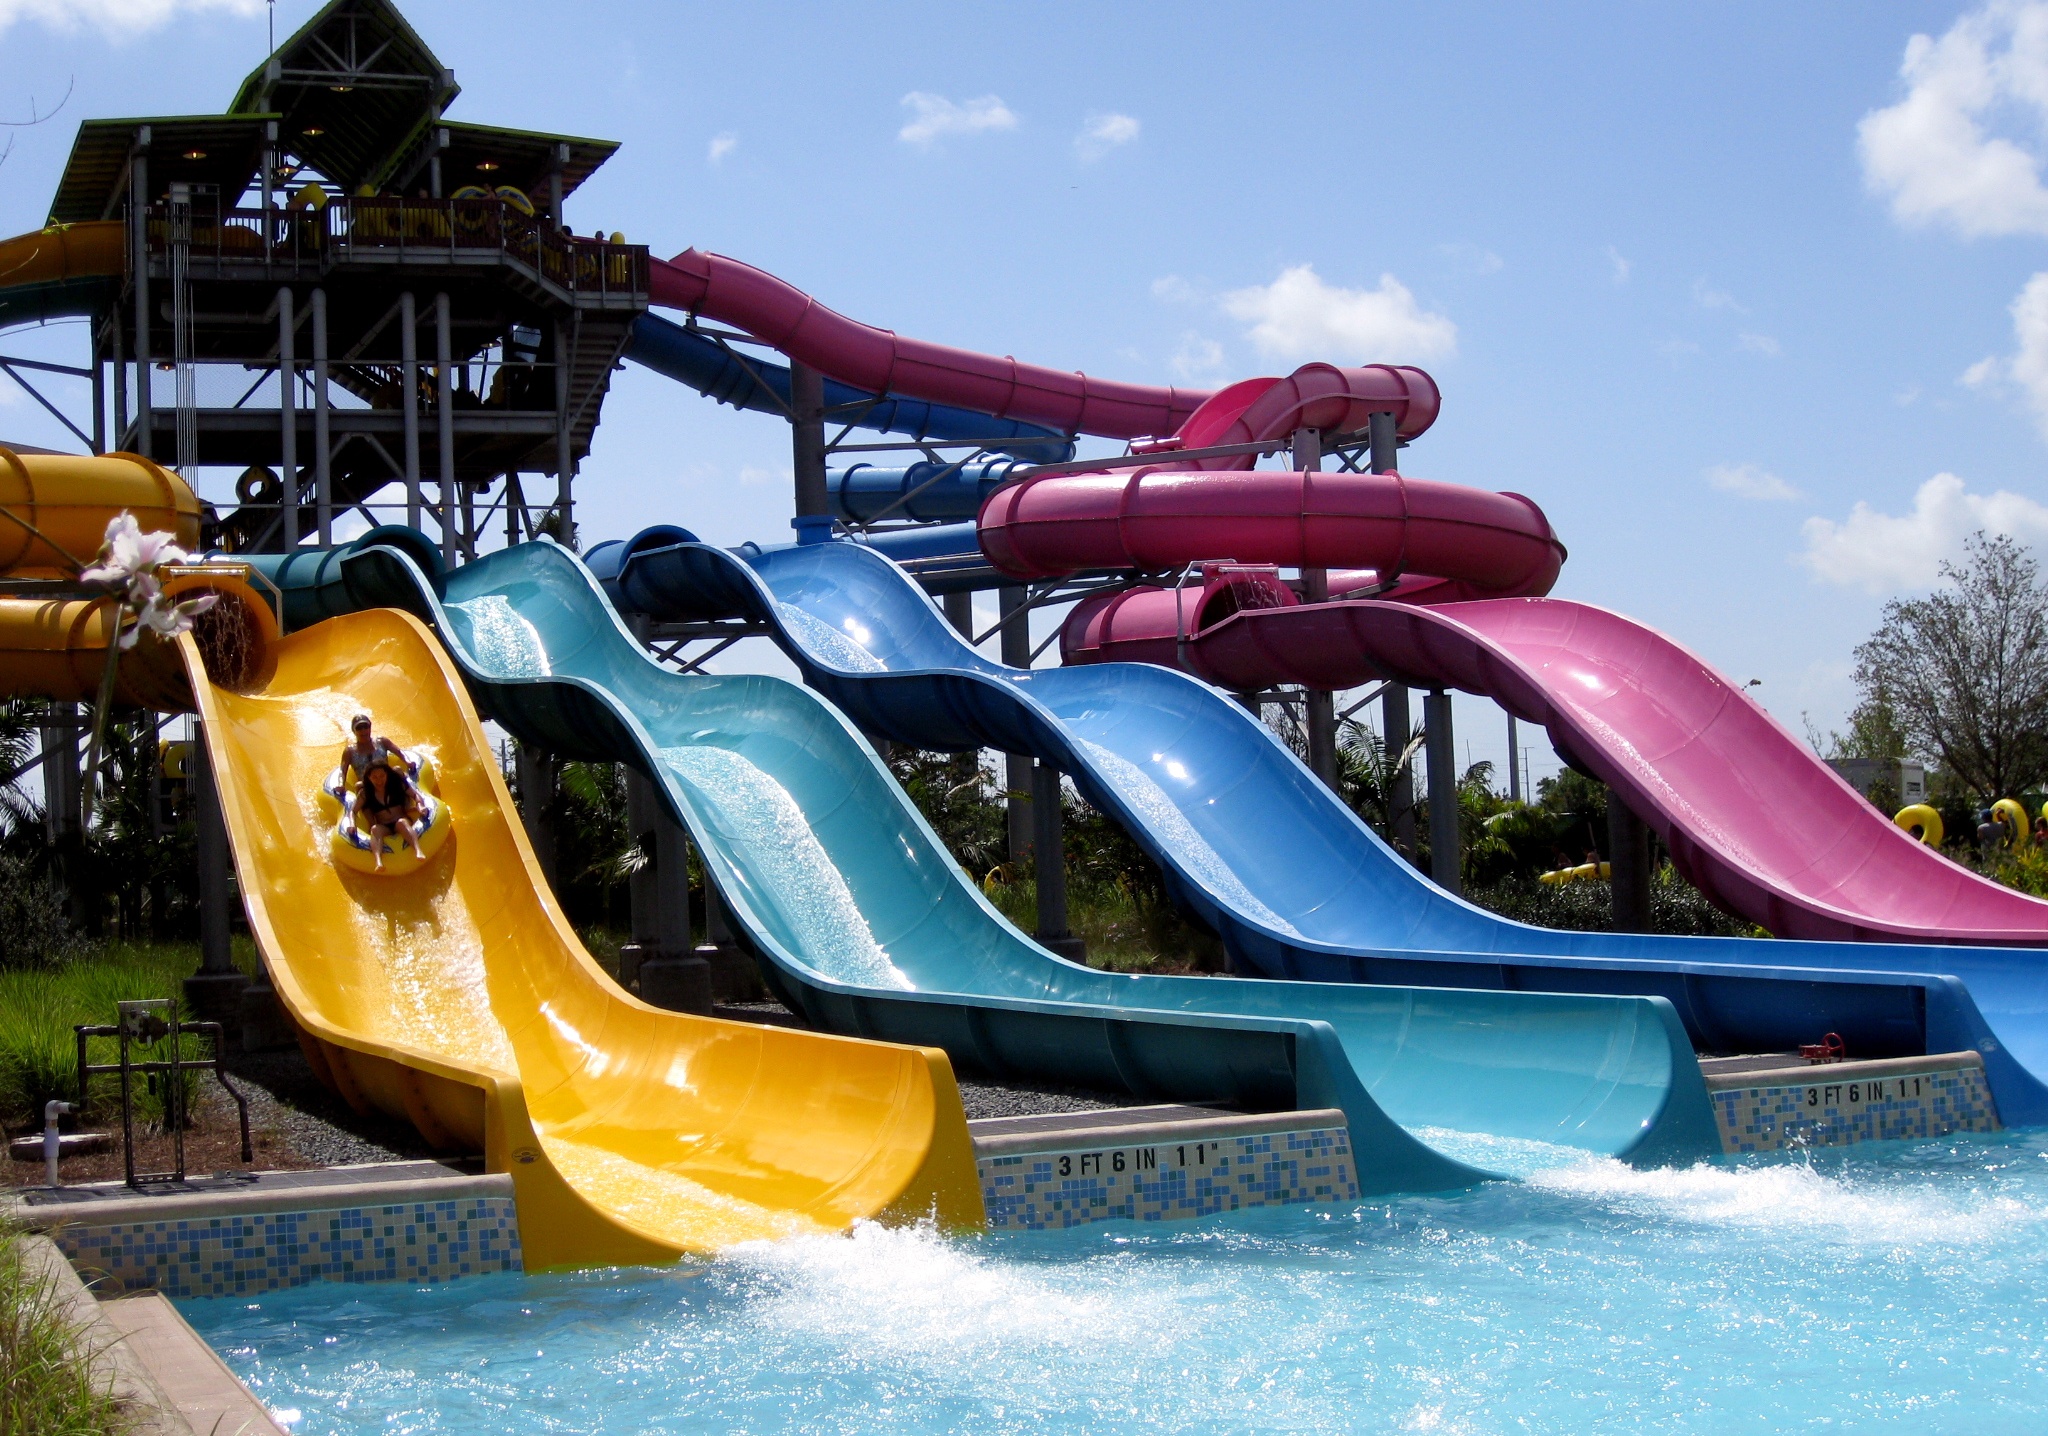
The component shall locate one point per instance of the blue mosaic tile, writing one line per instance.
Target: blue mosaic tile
(1840, 1113)
(240, 1255)
(1169, 1182)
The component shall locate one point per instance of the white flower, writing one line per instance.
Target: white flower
(129, 559)
(168, 619)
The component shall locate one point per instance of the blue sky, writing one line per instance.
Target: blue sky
(1725, 289)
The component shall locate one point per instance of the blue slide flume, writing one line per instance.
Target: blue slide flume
(1294, 882)
(865, 925)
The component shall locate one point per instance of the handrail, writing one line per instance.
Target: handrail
(352, 227)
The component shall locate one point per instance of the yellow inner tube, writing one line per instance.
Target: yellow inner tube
(2010, 812)
(1584, 872)
(1919, 815)
(350, 846)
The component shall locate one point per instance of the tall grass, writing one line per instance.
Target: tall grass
(52, 1381)
(39, 1007)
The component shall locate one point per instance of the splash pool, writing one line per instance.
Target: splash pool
(1901, 1289)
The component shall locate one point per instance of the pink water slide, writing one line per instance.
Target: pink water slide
(1751, 816)
(887, 363)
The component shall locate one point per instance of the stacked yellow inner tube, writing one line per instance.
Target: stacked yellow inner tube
(1924, 822)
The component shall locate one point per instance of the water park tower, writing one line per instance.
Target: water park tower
(363, 306)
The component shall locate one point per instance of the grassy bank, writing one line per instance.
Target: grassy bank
(51, 1382)
(40, 1006)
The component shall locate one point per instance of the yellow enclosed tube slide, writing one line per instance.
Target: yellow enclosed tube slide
(94, 250)
(54, 508)
(458, 997)
(57, 647)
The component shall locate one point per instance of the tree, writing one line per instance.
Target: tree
(1964, 671)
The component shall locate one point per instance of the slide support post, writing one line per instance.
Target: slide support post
(1017, 779)
(1397, 724)
(1628, 843)
(288, 418)
(1053, 931)
(409, 372)
(807, 448)
(1445, 861)
(1319, 708)
(214, 993)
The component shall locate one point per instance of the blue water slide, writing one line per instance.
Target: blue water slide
(864, 924)
(1296, 885)
(923, 492)
(691, 358)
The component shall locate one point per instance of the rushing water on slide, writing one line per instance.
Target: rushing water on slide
(1894, 1289)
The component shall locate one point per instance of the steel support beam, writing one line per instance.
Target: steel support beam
(288, 416)
(1319, 709)
(1628, 849)
(1017, 779)
(807, 449)
(323, 441)
(409, 370)
(138, 266)
(444, 418)
(1446, 864)
(1049, 850)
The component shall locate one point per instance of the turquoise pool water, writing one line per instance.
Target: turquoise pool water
(1896, 1289)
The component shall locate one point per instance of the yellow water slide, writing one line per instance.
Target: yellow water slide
(61, 270)
(458, 997)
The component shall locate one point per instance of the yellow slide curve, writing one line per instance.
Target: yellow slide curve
(459, 998)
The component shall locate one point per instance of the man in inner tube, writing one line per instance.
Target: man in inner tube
(365, 752)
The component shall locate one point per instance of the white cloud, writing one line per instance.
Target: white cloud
(1102, 133)
(1708, 297)
(934, 116)
(116, 19)
(721, 145)
(2027, 369)
(1887, 553)
(1747, 481)
(1483, 261)
(1198, 357)
(1174, 290)
(1621, 267)
(1298, 316)
(1934, 154)
(1757, 344)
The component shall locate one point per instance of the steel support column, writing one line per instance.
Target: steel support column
(1017, 779)
(214, 992)
(444, 419)
(323, 443)
(409, 370)
(1319, 709)
(1445, 862)
(1628, 848)
(1049, 848)
(138, 267)
(807, 448)
(565, 444)
(288, 417)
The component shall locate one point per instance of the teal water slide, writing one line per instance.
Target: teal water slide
(863, 923)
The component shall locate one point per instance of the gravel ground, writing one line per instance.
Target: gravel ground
(982, 1099)
(285, 1097)
(322, 1130)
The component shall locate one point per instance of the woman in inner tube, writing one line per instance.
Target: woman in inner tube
(387, 803)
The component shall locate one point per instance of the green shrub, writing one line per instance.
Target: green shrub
(38, 1008)
(52, 1383)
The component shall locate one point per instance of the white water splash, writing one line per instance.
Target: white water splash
(503, 643)
(765, 830)
(1164, 817)
(827, 644)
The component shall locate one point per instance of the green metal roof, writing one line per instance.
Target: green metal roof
(223, 151)
(356, 87)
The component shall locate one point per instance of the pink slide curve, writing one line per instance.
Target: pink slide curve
(886, 363)
(1751, 816)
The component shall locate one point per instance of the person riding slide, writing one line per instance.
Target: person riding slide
(367, 751)
(388, 803)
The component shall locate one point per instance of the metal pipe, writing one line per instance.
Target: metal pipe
(138, 266)
(99, 393)
(807, 452)
(1386, 443)
(565, 444)
(288, 417)
(53, 1139)
(409, 370)
(1397, 726)
(119, 361)
(1628, 853)
(1050, 849)
(216, 957)
(1514, 762)
(1445, 863)
(323, 448)
(1319, 708)
(444, 418)
(1017, 777)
